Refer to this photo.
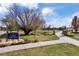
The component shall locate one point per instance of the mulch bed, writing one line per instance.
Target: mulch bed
(5, 43)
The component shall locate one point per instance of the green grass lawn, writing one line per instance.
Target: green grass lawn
(3, 36)
(40, 35)
(50, 50)
(73, 35)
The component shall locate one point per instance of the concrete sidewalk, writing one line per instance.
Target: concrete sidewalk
(67, 39)
(30, 45)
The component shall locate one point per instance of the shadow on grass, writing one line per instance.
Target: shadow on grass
(75, 32)
(22, 34)
(3, 36)
(70, 35)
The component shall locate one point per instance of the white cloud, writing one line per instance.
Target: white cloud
(58, 22)
(62, 21)
(3, 10)
(30, 5)
(3, 6)
(6, 4)
(47, 11)
(67, 20)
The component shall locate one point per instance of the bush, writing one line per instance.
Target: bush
(27, 41)
(53, 32)
(36, 40)
(44, 33)
(9, 42)
(31, 33)
(2, 44)
(21, 41)
(14, 42)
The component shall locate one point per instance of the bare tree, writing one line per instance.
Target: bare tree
(75, 23)
(27, 19)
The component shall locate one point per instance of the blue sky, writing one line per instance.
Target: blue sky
(62, 14)
(55, 14)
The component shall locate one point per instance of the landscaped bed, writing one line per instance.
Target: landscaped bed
(31, 38)
(50, 50)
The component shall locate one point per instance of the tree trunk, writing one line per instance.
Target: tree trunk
(26, 32)
(75, 30)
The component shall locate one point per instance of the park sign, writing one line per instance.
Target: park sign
(13, 35)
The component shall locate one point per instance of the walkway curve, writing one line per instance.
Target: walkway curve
(67, 39)
(63, 39)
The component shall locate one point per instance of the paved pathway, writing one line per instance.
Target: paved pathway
(63, 39)
(30, 45)
(67, 39)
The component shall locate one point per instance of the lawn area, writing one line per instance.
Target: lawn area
(40, 35)
(50, 50)
(73, 35)
(3, 36)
